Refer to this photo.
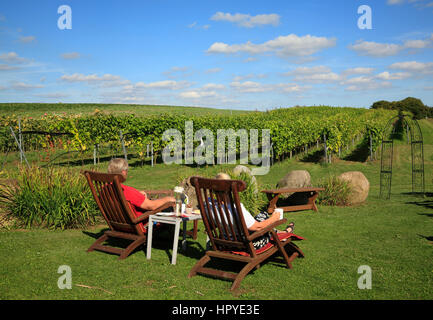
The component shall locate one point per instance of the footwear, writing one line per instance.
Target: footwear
(291, 227)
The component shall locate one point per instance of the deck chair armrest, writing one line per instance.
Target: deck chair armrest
(146, 214)
(266, 229)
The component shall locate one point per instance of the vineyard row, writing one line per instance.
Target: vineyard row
(290, 129)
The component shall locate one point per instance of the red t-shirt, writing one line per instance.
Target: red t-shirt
(135, 198)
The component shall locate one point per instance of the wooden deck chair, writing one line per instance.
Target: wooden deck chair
(228, 234)
(118, 214)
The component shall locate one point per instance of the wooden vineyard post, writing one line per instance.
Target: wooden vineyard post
(151, 152)
(123, 145)
(19, 147)
(20, 139)
(326, 148)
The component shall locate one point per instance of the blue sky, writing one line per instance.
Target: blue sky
(225, 54)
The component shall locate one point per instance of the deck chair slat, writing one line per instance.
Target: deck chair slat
(105, 200)
(224, 212)
(114, 202)
(218, 218)
(209, 215)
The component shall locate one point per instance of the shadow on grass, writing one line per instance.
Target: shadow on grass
(231, 266)
(360, 154)
(428, 238)
(162, 240)
(422, 203)
(314, 157)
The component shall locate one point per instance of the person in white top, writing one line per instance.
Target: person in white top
(262, 220)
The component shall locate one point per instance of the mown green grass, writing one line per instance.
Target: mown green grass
(394, 237)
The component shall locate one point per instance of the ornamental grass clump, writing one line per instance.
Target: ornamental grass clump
(336, 192)
(253, 200)
(57, 198)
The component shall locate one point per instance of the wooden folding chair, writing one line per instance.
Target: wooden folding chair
(117, 212)
(230, 239)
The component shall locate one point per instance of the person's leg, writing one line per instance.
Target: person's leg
(291, 227)
(262, 216)
(262, 240)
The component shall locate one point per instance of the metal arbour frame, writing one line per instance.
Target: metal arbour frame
(414, 134)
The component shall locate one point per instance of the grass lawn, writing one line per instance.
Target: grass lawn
(393, 237)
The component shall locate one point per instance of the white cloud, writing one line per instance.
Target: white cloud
(53, 95)
(364, 83)
(197, 94)
(196, 26)
(284, 46)
(249, 86)
(393, 76)
(27, 39)
(358, 70)
(375, 49)
(250, 59)
(250, 76)
(367, 86)
(393, 2)
(213, 86)
(309, 70)
(208, 90)
(25, 86)
(213, 70)
(166, 84)
(6, 67)
(416, 3)
(176, 72)
(256, 87)
(106, 80)
(361, 80)
(246, 20)
(290, 87)
(417, 44)
(79, 77)
(319, 77)
(317, 74)
(12, 57)
(71, 55)
(414, 67)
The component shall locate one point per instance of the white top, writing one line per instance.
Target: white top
(249, 219)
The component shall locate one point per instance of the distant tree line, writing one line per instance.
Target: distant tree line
(413, 105)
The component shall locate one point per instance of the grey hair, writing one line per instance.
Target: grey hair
(223, 176)
(117, 165)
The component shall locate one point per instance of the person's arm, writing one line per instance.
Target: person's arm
(253, 224)
(263, 224)
(155, 204)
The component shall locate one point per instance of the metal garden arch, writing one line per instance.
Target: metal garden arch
(414, 136)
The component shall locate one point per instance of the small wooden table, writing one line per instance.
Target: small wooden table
(311, 193)
(170, 218)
